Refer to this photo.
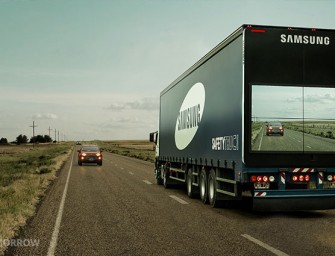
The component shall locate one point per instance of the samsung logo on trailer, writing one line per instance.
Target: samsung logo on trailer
(189, 118)
(190, 115)
(300, 39)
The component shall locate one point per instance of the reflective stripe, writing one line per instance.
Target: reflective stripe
(257, 194)
(298, 170)
(320, 177)
(282, 178)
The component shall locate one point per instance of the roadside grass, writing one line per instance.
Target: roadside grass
(25, 174)
(256, 131)
(140, 149)
(318, 128)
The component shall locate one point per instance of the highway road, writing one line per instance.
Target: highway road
(293, 141)
(117, 209)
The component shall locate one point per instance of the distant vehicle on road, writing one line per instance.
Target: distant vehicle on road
(274, 128)
(90, 154)
(78, 143)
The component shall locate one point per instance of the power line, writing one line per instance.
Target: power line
(33, 132)
(49, 131)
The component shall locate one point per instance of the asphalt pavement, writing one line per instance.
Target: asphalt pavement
(293, 141)
(117, 209)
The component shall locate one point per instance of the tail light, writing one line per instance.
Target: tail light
(331, 178)
(307, 178)
(265, 178)
(301, 178)
(258, 30)
(262, 182)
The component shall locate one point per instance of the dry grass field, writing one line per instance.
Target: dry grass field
(25, 173)
(141, 149)
(324, 129)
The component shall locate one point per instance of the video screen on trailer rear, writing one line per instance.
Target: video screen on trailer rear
(290, 95)
(292, 119)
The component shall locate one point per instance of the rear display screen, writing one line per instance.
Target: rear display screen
(292, 119)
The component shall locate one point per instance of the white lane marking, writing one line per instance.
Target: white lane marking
(131, 173)
(260, 143)
(179, 200)
(294, 138)
(147, 182)
(264, 245)
(55, 233)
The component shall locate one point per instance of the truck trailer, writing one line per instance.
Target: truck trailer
(255, 117)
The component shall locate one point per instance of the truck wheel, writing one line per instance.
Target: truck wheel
(190, 188)
(212, 193)
(159, 179)
(166, 179)
(203, 186)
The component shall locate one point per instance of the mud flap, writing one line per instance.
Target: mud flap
(293, 203)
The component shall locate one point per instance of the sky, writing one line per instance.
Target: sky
(273, 103)
(91, 69)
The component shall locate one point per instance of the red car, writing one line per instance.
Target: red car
(274, 128)
(90, 154)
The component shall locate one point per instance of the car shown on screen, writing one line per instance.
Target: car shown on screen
(90, 154)
(274, 128)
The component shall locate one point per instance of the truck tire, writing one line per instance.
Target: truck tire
(212, 193)
(203, 186)
(166, 179)
(159, 179)
(190, 188)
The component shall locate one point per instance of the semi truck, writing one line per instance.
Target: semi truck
(254, 117)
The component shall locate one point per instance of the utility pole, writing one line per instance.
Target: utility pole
(49, 131)
(58, 136)
(55, 135)
(34, 132)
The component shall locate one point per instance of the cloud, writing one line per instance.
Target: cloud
(117, 106)
(148, 104)
(325, 98)
(314, 98)
(292, 100)
(128, 122)
(45, 116)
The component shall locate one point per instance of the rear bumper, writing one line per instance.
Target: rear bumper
(90, 160)
(294, 200)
